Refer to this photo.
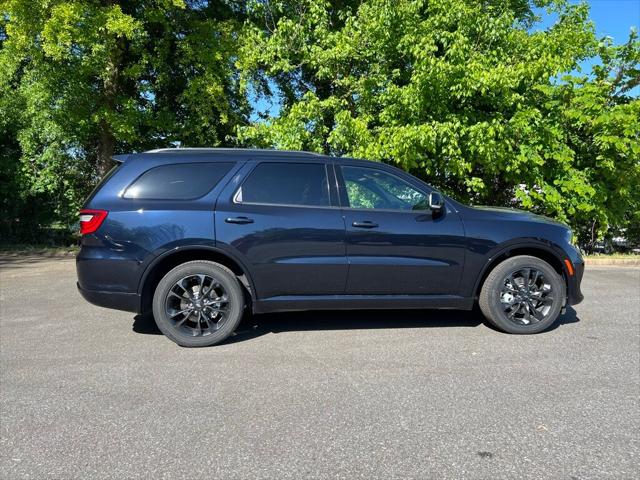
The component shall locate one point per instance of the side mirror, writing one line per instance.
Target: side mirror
(436, 202)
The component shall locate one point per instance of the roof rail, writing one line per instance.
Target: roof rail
(236, 150)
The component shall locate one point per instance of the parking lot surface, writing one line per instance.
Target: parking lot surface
(87, 392)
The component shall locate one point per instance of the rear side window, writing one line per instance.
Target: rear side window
(181, 181)
(302, 184)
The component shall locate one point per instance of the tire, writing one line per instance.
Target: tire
(515, 300)
(198, 304)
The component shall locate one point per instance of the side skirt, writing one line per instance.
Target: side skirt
(289, 303)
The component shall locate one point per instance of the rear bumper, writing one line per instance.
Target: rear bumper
(129, 302)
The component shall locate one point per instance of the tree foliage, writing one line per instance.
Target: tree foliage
(474, 96)
(82, 79)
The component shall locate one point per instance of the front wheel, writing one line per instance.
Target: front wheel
(522, 295)
(198, 304)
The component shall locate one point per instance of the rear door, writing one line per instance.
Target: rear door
(282, 220)
(395, 244)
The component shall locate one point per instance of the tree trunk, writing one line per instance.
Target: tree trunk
(106, 146)
(111, 87)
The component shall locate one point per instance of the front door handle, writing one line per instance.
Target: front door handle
(239, 220)
(365, 224)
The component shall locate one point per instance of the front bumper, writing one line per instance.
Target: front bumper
(129, 302)
(574, 294)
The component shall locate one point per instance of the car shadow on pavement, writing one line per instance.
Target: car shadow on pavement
(253, 326)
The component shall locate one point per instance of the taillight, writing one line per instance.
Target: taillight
(90, 220)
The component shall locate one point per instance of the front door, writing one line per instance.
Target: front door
(395, 244)
(284, 223)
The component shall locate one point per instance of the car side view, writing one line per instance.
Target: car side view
(198, 236)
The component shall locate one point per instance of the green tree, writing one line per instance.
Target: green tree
(473, 96)
(82, 79)
(600, 128)
(469, 95)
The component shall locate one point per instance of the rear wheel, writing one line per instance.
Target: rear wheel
(522, 295)
(198, 303)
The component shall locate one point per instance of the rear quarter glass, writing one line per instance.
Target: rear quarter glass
(178, 181)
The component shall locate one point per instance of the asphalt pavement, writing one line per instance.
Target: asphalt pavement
(87, 392)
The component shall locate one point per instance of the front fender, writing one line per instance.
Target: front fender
(478, 265)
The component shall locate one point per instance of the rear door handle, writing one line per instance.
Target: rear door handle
(365, 224)
(238, 220)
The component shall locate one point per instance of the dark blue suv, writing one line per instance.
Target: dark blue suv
(197, 236)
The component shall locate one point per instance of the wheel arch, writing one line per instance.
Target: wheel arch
(541, 251)
(171, 259)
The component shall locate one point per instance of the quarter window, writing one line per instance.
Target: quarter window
(286, 184)
(369, 188)
(180, 181)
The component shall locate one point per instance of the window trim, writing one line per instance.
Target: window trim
(238, 191)
(344, 198)
(122, 194)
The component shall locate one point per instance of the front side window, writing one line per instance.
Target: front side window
(180, 181)
(303, 184)
(369, 188)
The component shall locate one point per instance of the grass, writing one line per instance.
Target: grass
(30, 249)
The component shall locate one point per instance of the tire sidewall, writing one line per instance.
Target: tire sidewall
(226, 278)
(499, 317)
